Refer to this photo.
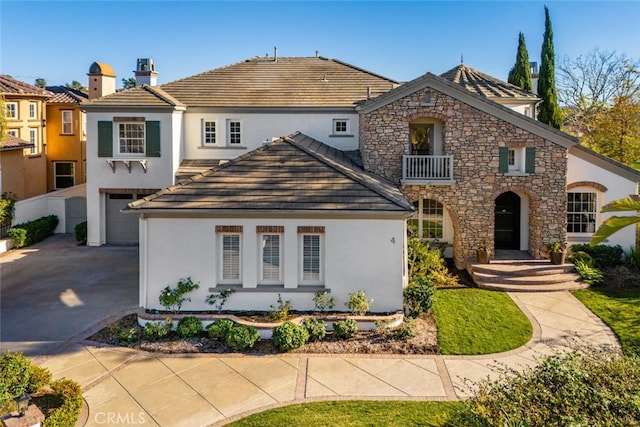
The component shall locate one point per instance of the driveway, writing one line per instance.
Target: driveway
(54, 290)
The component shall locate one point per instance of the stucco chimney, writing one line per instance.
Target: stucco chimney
(102, 80)
(146, 72)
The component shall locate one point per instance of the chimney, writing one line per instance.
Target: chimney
(102, 80)
(275, 54)
(146, 72)
(534, 76)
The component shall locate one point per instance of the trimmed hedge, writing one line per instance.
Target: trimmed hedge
(603, 255)
(71, 395)
(31, 232)
(81, 233)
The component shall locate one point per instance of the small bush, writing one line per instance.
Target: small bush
(157, 330)
(33, 231)
(590, 388)
(219, 299)
(289, 336)
(582, 256)
(632, 259)
(189, 326)
(358, 303)
(316, 328)
(323, 301)
(418, 296)
(425, 261)
(219, 329)
(81, 233)
(345, 328)
(281, 312)
(71, 395)
(588, 273)
(406, 330)
(15, 370)
(7, 208)
(173, 298)
(128, 335)
(241, 337)
(38, 378)
(603, 255)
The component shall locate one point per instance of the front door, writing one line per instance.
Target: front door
(507, 221)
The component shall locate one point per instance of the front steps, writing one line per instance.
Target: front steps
(525, 276)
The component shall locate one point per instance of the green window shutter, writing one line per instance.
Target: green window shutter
(503, 162)
(153, 139)
(105, 139)
(530, 160)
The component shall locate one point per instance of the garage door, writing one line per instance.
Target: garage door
(122, 229)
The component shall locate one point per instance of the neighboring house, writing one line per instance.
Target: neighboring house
(473, 165)
(25, 174)
(66, 138)
(290, 218)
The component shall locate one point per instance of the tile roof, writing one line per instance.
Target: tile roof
(265, 82)
(484, 84)
(145, 96)
(11, 142)
(11, 86)
(66, 95)
(293, 173)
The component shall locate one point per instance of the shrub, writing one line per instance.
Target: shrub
(71, 395)
(428, 262)
(241, 337)
(418, 295)
(281, 312)
(189, 326)
(406, 330)
(7, 206)
(316, 328)
(632, 259)
(323, 301)
(157, 330)
(591, 388)
(345, 328)
(173, 298)
(289, 336)
(603, 255)
(219, 329)
(218, 299)
(128, 335)
(588, 273)
(15, 370)
(358, 303)
(38, 378)
(582, 256)
(81, 233)
(33, 231)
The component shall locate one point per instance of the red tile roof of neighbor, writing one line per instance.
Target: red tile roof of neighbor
(11, 142)
(11, 86)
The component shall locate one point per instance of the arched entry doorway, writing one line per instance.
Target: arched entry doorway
(507, 221)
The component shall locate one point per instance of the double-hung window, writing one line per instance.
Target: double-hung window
(11, 110)
(208, 133)
(311, 253)
(33, 110)
(230, 254)
(271, 258)
(33, 139)
(582, 210)
(131, 138)
(67, 122)
(234, 134)
(64, 174)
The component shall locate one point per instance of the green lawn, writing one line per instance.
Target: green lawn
(618, 309)
(348, 413)
(477, 321)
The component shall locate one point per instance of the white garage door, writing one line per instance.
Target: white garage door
(122, 229)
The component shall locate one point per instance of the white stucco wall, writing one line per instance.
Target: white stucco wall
(53, 203)
(160, 170)
(618, 187)
(256, 128)
(359, 254)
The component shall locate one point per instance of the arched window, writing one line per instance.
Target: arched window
(428, 222)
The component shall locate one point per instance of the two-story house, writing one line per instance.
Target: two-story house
(457, 158)
(22, 153)
(66, 138)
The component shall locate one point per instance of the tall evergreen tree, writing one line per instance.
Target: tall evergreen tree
(520, 74)
(548, 111)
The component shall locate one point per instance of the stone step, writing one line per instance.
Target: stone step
(533, 280)
(523, 268)
(566, 286)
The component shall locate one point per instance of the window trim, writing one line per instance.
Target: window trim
(33, 116)
(15, 110)
(66, 122)
(13, 132)
(589, 226)
(55, 175)
(230, 133)
(142, 139)
(221, 278)
(301, 272)
(347, 127)
(33, 139)
(261, 247)
(205, 133)
(419, 217)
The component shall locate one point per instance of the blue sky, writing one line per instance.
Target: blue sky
(401, 40)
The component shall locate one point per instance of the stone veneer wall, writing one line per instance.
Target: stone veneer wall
(473, 137)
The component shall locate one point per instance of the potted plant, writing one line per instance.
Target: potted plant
(483, 254)
(557, 252)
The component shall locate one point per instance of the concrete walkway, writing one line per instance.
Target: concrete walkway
(127, 387)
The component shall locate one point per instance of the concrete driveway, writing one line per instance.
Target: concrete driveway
(54, 290)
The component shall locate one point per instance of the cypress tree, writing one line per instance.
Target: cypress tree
(548, 111)
(520, 74)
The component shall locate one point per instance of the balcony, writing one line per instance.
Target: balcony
(427, 170)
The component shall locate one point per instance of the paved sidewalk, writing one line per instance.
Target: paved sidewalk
(126, 387)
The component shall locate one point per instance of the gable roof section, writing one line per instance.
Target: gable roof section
(605, 162)
(473, 99)
(66, 95)
(486, 85)
(294, 174)
(269, 82)
(140, 96)
(10, 86)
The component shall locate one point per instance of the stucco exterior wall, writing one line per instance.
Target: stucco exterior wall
(359, 254)
(473, 138)
(65, 147)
